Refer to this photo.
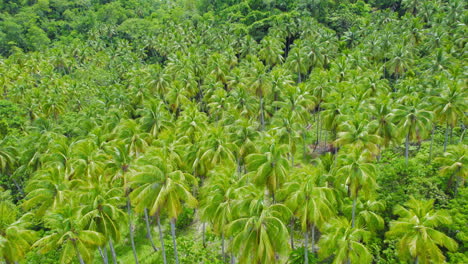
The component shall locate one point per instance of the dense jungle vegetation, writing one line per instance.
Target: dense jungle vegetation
(233, 131)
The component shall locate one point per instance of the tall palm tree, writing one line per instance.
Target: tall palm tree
(161, 188)
(48, 189)
(260, 235)
(449, 106)
(15, 236)
(414, 122)
(454, 166)
(357, 173)
(415, 230)
(218, 200)
(154, 117)
(68, 232)
(344, 242)
(101, 211)
(311, 201)
(297, 59)
(358, 133)
(260, 85)
(271, 51)
(269, 168)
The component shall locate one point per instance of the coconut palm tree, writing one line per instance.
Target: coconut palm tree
(415, 230)
(367, 216)
(218, 200)
(311, 201)
(358, 133)
(413, 123)
(160, 187)
(48, 189)
(154, 117)
(67, 231)
(269, 167)
(259, 234)
(271, 51)
(100, 210)
(449, 106)
(454, 166)
(344, 242)
(357, 173)
(297, 59)
(15, 236)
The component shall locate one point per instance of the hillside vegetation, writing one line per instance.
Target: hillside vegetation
(233, 131)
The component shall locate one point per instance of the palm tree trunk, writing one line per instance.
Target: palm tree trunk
(104, 257)
(78, 255)
(432, 142)
(291, 232)
(148, 230)
(318, 127)
(262, 117)
(306, 247)
(233, 258)
(354, 211)
(114, 256)
(304, 145)
(462, 133)
(161, 238)
(313, 238)
(176, 255)
(222, 247)
(407, 148)
(130, 229)
(446, 137)
(203, 234)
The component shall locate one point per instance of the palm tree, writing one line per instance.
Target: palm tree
(367, 215)
(449, 106)
(7, 157)
(272, 50)
(358, 133)
(385, 128)
(67, 231)
(260, 84)
(344, 242)
(15, 236)
(297, 59)
(269, 168)
(101, 211)
(454, 166)
(415, 230)
(48, 189)
(118, 168)
(357, 173)
(414, 122)
(218, 197)
(259, 235)
(154, 117)
(310, 200)
(159, 187)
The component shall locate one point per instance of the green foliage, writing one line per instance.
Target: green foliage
(224, 119)
(185, 219)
